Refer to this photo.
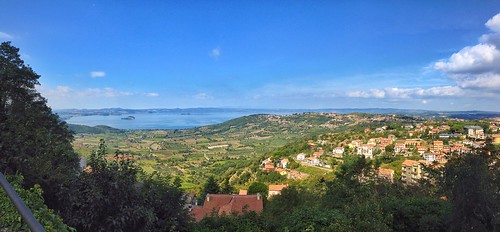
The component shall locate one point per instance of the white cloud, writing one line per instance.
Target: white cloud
(59, 91)
(484, 81)
(104, 92)
(494, 23)
(6, 36)
(402, 93)
(215, 53)
(95, 74)
(476, 59)
(152, 94)
(202, 96)
(65, 91)
(477, 68)
(376, 93)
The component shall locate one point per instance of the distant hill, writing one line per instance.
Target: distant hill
(99, 129)
(470, 115)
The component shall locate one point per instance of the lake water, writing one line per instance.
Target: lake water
(166, 120)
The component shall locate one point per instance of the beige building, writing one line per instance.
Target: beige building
(385, 174)
(413, 171)
(476, 132)
(275, 189)
(438, 145)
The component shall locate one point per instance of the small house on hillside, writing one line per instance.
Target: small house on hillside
(301, 156)
(269, 167)
(385, 174)
(313, 160)
(338, 151)
(284, 163)
(275, 189)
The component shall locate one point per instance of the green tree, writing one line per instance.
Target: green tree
(416, 213)
(210, 187)
(33, 140)
(166, 200)
(110, 197)
(389, 149)
(471, 182)
(104, 198)
(10, 218)
(258, 187)
(226, 187)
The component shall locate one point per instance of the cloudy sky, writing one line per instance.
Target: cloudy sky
(442, 55)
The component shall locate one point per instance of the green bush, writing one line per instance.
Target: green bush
(10, 219)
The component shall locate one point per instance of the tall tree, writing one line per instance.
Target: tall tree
(471, 183)
(210, 186)
(226, 187)
(109, 196)
(258, 187)
(33, 140)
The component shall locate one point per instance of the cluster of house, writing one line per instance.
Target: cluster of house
(434, 151)
(368, 149)
(429, 151)
(314, 159)
(437, 151)
(229, 204)
(281, 167)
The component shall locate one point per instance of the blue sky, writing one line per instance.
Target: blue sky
(438, 55)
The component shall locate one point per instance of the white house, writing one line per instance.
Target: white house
(338, 151)
(366, 150)
(313, 160)
(301, 156)
(430, 157)
(284, 163)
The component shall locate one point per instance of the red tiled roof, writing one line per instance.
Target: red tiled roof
(409, 162)
(277, 187)
(385, 171)
(226, 204)
(269, 166)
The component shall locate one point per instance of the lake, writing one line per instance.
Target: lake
(168, 120)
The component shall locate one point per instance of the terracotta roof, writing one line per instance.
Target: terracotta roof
(243, 192)
(409, 162)
(385, 171)
(277, 187)
(269, 166)
(226, 204)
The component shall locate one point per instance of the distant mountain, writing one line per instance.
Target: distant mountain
(469, 115)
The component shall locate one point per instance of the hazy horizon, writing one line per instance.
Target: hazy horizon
(261, 55)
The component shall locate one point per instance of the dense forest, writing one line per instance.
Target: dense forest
(115, 194)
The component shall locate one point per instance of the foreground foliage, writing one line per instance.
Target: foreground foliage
(10, 220)
(33, 141)
(356, 201)
(114, 195)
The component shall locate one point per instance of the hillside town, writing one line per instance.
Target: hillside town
(418, 146)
